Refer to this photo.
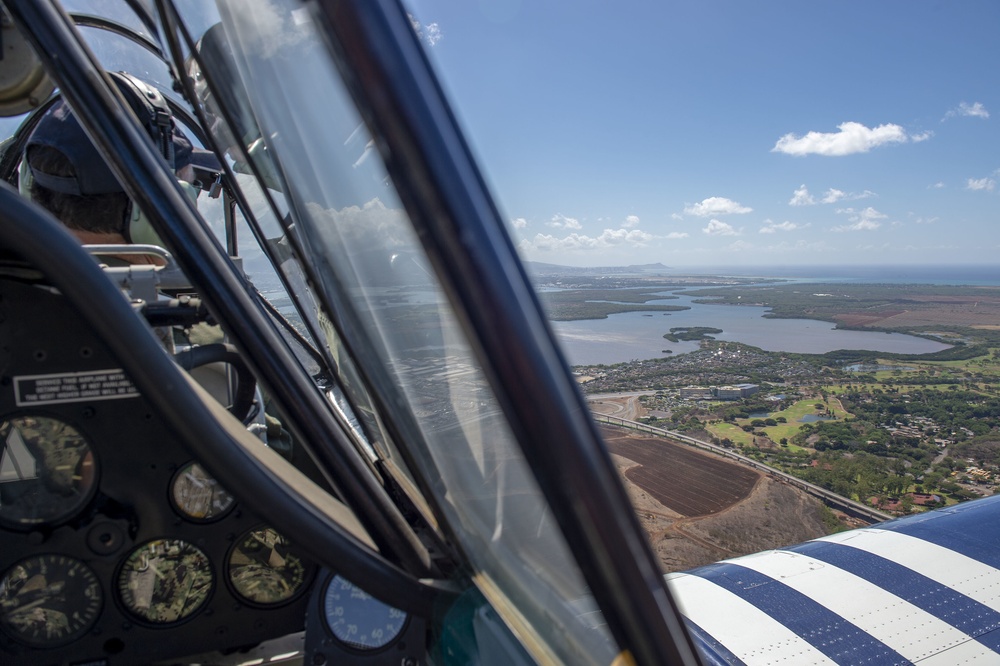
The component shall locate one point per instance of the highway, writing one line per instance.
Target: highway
(832, 499)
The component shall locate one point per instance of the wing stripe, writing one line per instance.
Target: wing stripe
(752, 635)
(831, 634)
(969, 532)
(865, 602)
(963, 574)
(712, 651)
(958, 610)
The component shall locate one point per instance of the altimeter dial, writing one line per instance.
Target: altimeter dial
(49, 600)
(359, 620)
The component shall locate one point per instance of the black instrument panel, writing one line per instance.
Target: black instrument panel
(117, 546)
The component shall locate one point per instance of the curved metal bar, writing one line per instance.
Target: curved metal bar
(270, 486)
(102, 23)
(140, 169)
(390, 78)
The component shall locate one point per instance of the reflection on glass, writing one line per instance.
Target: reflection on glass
(165, 581)
(49, 600)
(374, 282)
(198, 496)
(47, 471)
(264, 569)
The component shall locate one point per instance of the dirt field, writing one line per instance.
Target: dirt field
(743, 514)
(930, 310)
(688, 481)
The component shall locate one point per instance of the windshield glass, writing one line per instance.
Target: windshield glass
(384, 319)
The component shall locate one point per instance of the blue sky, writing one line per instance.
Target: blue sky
(701, 133)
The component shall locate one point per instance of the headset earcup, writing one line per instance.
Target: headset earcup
(24, 179)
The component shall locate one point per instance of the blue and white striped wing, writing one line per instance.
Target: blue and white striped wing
(920, 590)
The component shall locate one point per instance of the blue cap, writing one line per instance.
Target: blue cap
(59, 129)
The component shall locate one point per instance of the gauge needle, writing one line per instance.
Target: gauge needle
(195, 480)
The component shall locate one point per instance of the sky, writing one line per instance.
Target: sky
(701, 132)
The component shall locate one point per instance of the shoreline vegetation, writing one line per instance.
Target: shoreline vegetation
(691, 333)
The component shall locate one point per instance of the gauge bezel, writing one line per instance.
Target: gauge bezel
(145, 621)
(83, 500)
(345, 645)
(308, 572)
(94, 617)
(172, 500)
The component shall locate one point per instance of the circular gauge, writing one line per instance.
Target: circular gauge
(165, 581)
(49, 600)
(264, 570)
(198, 496)
(47, 471)
(359, 620)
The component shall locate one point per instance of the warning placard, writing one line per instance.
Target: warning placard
(72, 387)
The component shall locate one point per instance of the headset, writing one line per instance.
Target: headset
(154, 114)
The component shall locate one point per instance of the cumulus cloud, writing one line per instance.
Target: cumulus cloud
(676, 216)
(864, 220)
(773, 227)
(852, 138)
(519, 223)
(717, 228)
(631, 222)
(981, 184)
(716, 206)
(608, 238)
(675, 235)
(802, 197)
(563, 222)
(975, 110)
(429, 33)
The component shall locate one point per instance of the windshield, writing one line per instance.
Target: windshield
(381, 315)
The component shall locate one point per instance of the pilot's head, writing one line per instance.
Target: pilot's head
(69, 177)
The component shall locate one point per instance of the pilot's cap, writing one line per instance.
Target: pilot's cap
(59, 129)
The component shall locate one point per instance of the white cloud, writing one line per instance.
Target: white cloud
(923, 136)
(674, 235)
(802, 197)
(429, 33)
(975, 110)
(716, 206)
(981, 184)
(519, 223)
(563, 222)
(833, 196)
(937, 186)
(631, 222)
(676, 216)
(717, 228)
(852, 138)
(773, 227)
(865, 220)
(608, 238)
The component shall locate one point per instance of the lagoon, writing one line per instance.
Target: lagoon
(636, 335)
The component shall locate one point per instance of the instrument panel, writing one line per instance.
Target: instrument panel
(117, 545)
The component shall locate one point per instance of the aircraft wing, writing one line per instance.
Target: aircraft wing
(923, 590)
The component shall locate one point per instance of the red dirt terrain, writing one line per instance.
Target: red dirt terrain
(698, 508)
(680, 477)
